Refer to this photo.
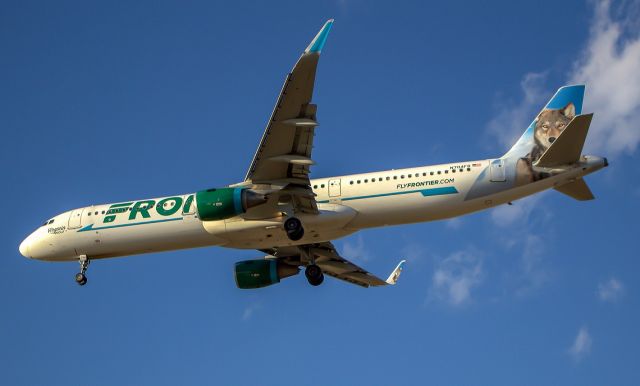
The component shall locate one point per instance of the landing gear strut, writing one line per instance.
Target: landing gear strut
(81, 278)
(294, 229)
(314, 274)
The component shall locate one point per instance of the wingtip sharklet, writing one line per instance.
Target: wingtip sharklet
(395, 274)
(321, 38)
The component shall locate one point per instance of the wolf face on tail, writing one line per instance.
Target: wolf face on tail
(549, 125)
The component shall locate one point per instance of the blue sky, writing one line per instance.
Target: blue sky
(103, 102)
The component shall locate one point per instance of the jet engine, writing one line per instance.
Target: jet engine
(262, 272)
(223, 203)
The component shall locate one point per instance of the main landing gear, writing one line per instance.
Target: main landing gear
(294, 229)
(314, 274)
(81, 278)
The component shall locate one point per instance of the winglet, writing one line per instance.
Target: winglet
(393, 278)
(318, 42)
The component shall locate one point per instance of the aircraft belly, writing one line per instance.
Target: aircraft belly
(329, 224)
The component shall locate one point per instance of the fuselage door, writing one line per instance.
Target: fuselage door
(497, 171)
(334, 188)
(75, 218)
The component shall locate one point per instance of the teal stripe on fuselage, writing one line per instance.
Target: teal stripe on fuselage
(424, 192)
(91, 228)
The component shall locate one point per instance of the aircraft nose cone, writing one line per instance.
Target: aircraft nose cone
(24, 248)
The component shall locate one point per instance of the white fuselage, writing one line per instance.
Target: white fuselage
(346, 204)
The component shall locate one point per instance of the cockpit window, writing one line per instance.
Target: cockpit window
(48, 222)
(51, 221)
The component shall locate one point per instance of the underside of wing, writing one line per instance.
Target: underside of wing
(284, 152)
(329, 260)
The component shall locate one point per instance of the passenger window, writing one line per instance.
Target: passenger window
(366, 180)
(409, 176)
(395, 177)
(468, 169)
(315, 186)
(439, 172)
(402, 176)
(103, 212)
(453, 170)
(388, 178)
(446, 172)
(89, 214)
(431, 173)
(322, 186)
(351, 182)
(359, 181)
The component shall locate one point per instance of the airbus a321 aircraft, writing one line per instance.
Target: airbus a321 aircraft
(291, 218)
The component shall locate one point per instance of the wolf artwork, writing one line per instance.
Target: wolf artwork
(549, 124)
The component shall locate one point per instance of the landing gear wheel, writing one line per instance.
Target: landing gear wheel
(294, 229)
(314, 275)
(81, 278)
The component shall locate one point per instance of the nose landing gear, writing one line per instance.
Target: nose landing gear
(81, 278)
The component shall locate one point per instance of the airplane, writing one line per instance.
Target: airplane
(278, 210)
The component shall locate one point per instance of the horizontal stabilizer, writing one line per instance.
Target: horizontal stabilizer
(393, 278)
(567, 148)
(577, 189)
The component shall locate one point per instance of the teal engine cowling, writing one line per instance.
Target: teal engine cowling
(223, 203)
(262, 272)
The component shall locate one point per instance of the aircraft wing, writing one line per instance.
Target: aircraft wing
(327, 257)
(283, 156)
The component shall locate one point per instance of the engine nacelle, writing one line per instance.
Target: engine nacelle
(262, 272)
(223, 203)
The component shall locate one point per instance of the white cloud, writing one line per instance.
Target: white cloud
(454, 223)
(412, 252)
(517, 214)
(512, 119)
(611, 290)
(610, 67)
(534, 274)
(522, 230)
(455, 277)
(355, 249)
(581, 345)
(249, 311)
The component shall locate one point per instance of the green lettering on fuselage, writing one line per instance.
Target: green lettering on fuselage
(165, 207)
(115, 209)
(141, 207)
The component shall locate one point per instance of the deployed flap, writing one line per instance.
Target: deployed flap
(567, 148)
(577, 189)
